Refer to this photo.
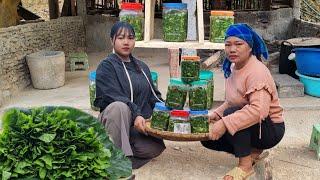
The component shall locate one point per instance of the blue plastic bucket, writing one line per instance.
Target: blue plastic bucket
(311, 84)
(308, 61)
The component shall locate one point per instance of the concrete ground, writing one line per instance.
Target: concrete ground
(290, 159)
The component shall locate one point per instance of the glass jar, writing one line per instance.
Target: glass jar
(160, 117)
(92, 89)
(219, 23)
(175, 22)
(132, 13)
(154, 76)
(208, 76)
(176, 94)
(190, 67)
(198, 95)
(179, 122)
(199, 121)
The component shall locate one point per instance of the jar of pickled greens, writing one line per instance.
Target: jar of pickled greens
(132, 13)
(208, 76)
(154, 76)
(179, 122)
(92, 89)
(175, 22)
(176, 94)
(198, 95)
(199, 121)
(190, 67)
(160, 117)
(219, 23)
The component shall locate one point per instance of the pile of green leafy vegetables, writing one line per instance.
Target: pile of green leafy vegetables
(57, 143)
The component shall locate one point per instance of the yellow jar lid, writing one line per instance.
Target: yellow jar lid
(191, 58)
(222, 13)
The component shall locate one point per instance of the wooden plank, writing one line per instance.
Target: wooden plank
(53, 9)
(200, 21)
(147, 20)
(153, 4)
(212, 59)
(158, 43)
(73, 8)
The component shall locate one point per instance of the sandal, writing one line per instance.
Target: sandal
(261, 157)
(239, 174)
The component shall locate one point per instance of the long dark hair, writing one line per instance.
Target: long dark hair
(116, 29)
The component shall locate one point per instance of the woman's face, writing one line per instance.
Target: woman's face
(238, 51)
(123, 43)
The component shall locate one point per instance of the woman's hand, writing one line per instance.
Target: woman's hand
(216, 130)
(213, 117)
(140, 124)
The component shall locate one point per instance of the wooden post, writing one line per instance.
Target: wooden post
(149, 20)
(266, 5)
(73, 8)
(69, 8)
(8, 13)
(200, 21)
(81, 8)
(53, 9)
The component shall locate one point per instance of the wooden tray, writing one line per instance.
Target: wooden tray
(176, 136)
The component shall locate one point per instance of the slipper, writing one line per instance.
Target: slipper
(261, 157)
(239, 174)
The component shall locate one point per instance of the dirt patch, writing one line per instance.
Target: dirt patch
(40, 7)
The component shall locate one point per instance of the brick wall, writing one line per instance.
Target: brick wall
(63, 34)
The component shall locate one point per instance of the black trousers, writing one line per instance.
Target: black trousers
(242, 142)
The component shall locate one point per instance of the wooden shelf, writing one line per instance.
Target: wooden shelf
(158, 43)
(149, 42)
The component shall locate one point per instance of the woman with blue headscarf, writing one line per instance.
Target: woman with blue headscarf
(250, 120)
(126, 97)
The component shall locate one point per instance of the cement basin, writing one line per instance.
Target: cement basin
(47, 69)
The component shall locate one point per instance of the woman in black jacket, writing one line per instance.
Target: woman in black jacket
(126, 97)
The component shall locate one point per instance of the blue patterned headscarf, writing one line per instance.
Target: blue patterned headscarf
(246, 33)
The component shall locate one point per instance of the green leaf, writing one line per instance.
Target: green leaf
(6, 175)
(42, 173)
(21, 167)
(47, 137)
(48, 160)
(39, 163)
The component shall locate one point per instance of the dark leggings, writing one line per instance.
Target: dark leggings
(242, 142)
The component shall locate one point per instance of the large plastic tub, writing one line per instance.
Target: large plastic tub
(311, 84)
(308, 61)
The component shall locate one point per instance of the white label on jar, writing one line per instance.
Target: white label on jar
(182, 128)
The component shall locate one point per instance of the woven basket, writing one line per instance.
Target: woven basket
(176, 136)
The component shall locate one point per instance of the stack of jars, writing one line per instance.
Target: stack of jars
(188, 98)
(179, 121)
